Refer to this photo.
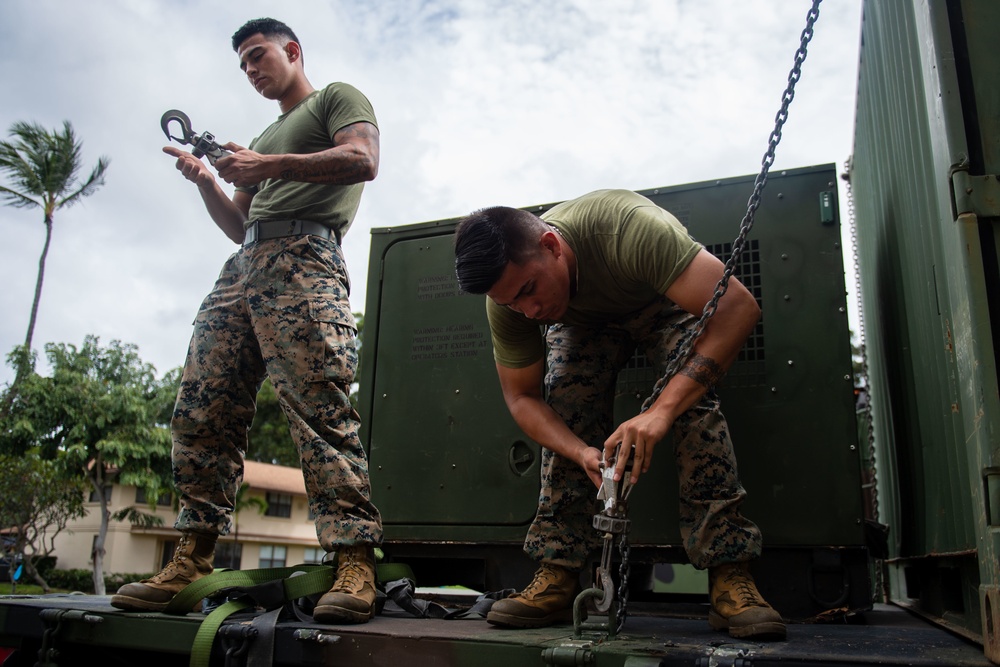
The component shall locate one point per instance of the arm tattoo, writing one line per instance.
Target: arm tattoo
(351, 166)
(703, 370)
(342, 174)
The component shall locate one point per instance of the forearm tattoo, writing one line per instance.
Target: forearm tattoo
(350, 165)
(325, 172)
(703, 370)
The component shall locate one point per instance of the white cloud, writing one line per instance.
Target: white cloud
(479, 103)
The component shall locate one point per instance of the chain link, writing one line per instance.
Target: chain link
(623, 572)
(684, 346)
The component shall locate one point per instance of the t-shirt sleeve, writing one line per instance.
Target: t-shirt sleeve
(654, 247)
(517, 341)
(336, 106)
(344, 105)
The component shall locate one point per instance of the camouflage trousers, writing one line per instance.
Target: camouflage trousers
(279, 309)
(582, 370)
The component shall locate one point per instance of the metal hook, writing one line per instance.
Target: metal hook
(185, 123)
(204, 145)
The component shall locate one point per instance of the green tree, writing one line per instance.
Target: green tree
(41, 169)
(101, 413)
(270, 440)
(37, 500)
(163, 402)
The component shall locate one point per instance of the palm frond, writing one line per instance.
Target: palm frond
(21, 167)
(16, 199)
(92, 184)
(42, 167)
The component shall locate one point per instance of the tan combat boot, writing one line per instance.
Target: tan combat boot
(192, 560)
(547, 600)
(738, 606)
(352, 598)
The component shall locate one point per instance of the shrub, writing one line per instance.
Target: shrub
(46, 566)
(83, 580)
(71, 580)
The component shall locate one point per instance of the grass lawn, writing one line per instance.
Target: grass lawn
(6, 588)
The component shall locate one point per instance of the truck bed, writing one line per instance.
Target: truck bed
(81, 629)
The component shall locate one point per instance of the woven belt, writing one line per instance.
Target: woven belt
(272, 229)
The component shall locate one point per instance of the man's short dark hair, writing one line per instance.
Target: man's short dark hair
(489, 239)
(268, 27)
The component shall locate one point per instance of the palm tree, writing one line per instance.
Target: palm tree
(41, 169)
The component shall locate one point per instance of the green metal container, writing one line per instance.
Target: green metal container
(925, 177)
(457, 481)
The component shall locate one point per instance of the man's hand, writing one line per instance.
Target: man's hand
(642, 432)
(191, 167)
(590, 461)
(244, 168)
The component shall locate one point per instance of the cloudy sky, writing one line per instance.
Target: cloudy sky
(480, 102)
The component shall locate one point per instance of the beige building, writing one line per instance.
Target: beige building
(284, 535)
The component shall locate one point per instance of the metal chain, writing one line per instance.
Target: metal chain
(686, 343)
(863, 348)
(623, 572)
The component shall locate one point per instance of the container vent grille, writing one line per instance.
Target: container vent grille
(749, 370)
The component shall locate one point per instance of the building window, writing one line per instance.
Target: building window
(163, 500)
(272, 555)
(279, 504)
(313, 556)
(228, 554)
(94, 498)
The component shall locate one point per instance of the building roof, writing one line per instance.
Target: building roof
(268, 477)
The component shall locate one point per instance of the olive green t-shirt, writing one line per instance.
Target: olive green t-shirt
(309, 128)
(628, 252)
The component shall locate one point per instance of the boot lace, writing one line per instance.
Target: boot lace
(175, 563)
(350, 574)
(545, 575)
(744, 587)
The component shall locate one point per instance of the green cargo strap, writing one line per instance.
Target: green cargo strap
(316, 577)
(294, 587)
(201, 649)
(269, 587)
